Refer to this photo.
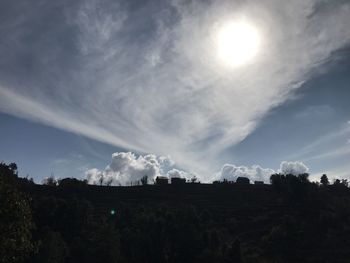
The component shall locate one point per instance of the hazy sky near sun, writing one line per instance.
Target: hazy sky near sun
(145, 76)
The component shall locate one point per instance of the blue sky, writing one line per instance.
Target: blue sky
(80, 81)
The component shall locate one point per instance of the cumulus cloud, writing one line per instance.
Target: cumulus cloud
(126, 168)
(175, 173)
(293, 168)
(230, 172)
(94, 71)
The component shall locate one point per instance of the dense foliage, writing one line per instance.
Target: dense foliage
(15, 218)
(291, 220)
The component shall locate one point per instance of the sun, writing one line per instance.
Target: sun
(237, 43)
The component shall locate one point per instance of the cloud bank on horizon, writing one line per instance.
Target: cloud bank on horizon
(127, 168)
(152, 83)
(231, 172)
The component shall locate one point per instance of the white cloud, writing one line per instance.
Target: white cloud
(126, 168)
(165, 91)
(180, 174)
(230, 172)
(295, 168)
(94, 176)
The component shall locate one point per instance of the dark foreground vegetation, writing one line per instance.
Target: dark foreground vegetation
(291, 220)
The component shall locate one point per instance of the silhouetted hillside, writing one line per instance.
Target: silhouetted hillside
(291, 220)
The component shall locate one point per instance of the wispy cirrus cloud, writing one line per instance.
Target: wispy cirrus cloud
(330, 145)
(153, 83)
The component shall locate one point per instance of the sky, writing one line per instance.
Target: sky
(121, 89)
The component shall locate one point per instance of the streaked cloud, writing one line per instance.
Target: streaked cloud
(315, 112)
(114, 73)
(330, 145)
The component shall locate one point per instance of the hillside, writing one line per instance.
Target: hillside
(290, 221)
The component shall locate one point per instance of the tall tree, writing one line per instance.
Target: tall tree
(144, 180)
(324, 180)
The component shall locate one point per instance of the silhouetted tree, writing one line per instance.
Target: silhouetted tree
(144, 180)
(50, 181)
(304, 178)
(336, 182)
(101, 180)
(108, 182)
(345, 182)
(13, 167)
(324, 180)
(276, 180)
(194, 179)
(341, 182)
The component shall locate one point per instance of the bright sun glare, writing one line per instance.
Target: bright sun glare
(237, 43)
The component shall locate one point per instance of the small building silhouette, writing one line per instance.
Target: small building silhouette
(258, 182)
(242, 180)
(178, 180)
(161, 180)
